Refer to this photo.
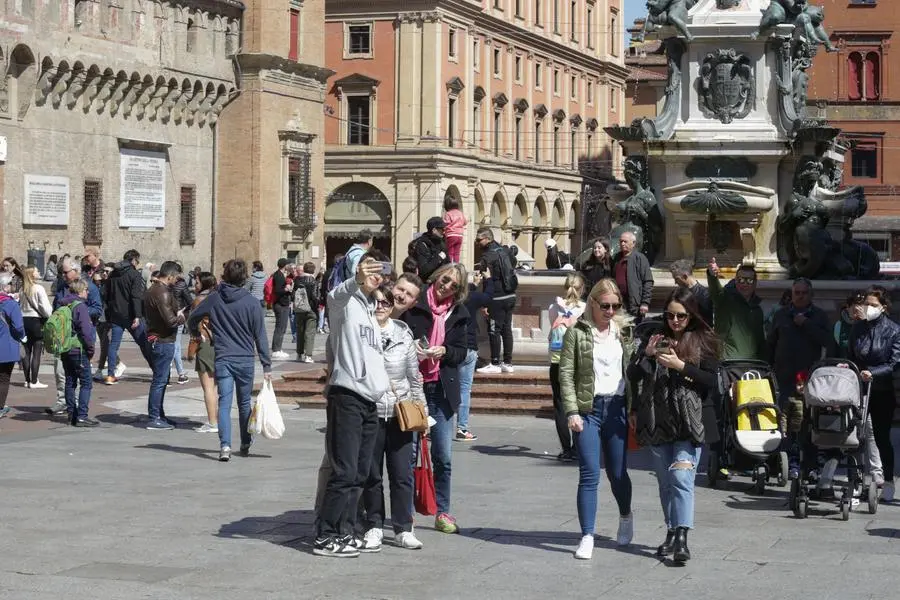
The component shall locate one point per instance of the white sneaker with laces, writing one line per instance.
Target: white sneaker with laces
(585, 548)
(626, 530)
(490, 370)
(408, 540)
(37, 385)
(120, 369)
(207, 428)
(371, 541)
(507, 368)
(308, 359)
(887, 491)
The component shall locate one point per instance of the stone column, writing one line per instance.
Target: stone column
(433, 97)
(409, 98)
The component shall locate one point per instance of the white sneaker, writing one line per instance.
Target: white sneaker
(207, 428)
(371, 541)
(585, 548)
(626, 530)
(887, 491)
(406, 539)
(308, 359)
(37, 385)
(507, 368)
(280, 355)
(120, 369)
(490, 370)
(27, 385)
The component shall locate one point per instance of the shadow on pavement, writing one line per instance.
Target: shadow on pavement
(771, 501)
(199, 452)
(31, 414)
(639, 460)
(884, 532)
(552, 540)
(292, 529)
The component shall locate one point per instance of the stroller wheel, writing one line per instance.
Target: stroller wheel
(873, 498)
(802, 508)
(794, 496)
(783, 469)
(845, 510)
(762, 474)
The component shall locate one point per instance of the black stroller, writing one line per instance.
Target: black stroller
(834, 419)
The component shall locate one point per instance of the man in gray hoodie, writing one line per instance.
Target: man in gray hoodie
(357, 380)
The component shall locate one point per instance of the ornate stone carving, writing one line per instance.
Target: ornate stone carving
(727, 4)
(639, 213)
(714, 201)
(726, 85)
(60, 86)
(735, 168)
(80, 81)
(668, 12)
(4, 86)
(807, 20)
(168, 103)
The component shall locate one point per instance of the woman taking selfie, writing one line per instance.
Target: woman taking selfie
(439, 323)
(595, 352)
(678, 369)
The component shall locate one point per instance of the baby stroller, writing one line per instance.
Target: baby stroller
(751, 437)
(834, 418)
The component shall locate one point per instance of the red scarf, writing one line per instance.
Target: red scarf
(431, 368)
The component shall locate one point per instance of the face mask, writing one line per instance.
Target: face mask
(873, 312)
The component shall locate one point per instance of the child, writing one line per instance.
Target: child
(456, 223)
(77, 361)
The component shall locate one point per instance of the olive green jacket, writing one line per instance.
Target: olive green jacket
(576, 366)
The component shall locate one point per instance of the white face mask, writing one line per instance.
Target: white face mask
(873, 312)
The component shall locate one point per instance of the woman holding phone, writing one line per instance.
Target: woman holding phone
(439, 323)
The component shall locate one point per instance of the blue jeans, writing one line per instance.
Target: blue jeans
(161, 362)
(441, 441)
(77, 367)
(321, 317)
(676, 484)
(466, 375)
(115, 340)
(179, 364)
(604, 438)
(234, 378)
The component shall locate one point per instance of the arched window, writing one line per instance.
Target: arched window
(854, 76)
(871, 72)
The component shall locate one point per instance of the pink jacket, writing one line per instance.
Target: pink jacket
(456, 223)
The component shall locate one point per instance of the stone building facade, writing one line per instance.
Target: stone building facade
(109, 110)
(499, 104)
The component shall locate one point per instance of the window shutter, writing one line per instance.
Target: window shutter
(188, 214)
(92, 233)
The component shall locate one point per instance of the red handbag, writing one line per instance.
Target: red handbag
(424, 499)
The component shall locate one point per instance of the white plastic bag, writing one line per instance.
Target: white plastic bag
(266, 418)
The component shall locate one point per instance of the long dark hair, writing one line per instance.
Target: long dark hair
(698, 341)
(603, 262)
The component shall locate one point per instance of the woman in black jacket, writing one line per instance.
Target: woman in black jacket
(678, 368)
(875, 348)
(597, 265)
(439, 322)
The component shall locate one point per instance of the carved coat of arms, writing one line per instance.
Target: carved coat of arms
(726, 85)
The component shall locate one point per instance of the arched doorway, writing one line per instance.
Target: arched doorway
(540, 223)
(351, 208)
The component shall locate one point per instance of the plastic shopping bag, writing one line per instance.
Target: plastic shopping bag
(266, 418)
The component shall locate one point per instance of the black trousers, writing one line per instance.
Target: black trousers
(882, 405)
(282, 316)
(6, 370)
(350, 436)
(33, 349)
(559, 414)
(500, 314)
(397, 447)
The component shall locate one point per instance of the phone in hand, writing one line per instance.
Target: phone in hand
(386, 268)
(423, 343)
(663, 346)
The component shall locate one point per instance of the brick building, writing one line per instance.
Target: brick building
(858, 90)
(500, 104)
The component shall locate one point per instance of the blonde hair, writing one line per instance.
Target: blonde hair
(604, 287)
(574, 289)
(78, 286)
(462, 292)
(28, 280)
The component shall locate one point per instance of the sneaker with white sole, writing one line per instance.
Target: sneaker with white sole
(335, 547)
(585, 548)
(207, 428)
(887, 491)
(308, 359)
(626, 530)
(120, 369)
(371, 540)
(507, 368)
(490, 370)
(37, 385)
(408, 540)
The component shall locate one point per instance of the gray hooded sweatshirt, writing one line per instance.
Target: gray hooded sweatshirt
(354, 350)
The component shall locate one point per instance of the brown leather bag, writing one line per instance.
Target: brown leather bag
(411, 416)
(193, 346)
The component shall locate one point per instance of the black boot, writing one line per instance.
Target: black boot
(680, 551)
(665, 549)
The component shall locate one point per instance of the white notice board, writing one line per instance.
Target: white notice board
(142, 195)
(46, 200)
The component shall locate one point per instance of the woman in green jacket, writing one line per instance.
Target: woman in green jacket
(596, 351)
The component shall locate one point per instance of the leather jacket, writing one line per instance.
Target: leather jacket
(161, 313)
(875, 346)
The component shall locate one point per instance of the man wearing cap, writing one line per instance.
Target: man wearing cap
(430, 249)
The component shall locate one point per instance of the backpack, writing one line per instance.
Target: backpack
(59, 331)
(508, 278)
(302, 301)
(558, 330)
(339, 272)
(269, 290)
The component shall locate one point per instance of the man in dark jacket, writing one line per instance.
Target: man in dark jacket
(183, 299)
(77, 361)
(164, 318)
(240, 335)
(738, 315)
(632, 272)
(430, 248)
(125, 290)
(683, 274)
(282, 291)
(306, 319)
(496, 262)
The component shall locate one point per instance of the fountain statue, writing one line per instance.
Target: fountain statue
(740, 170)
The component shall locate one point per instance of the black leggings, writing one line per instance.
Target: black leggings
(6, 370)
(559, 413)
(31, 363)
(882, 409)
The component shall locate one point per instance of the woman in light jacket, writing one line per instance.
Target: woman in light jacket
(36, 308)
(391, 443)
(596, 400)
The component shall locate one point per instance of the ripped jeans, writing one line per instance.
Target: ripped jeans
(676, 483)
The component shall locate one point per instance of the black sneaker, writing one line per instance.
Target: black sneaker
(335, 547)
(245, 450)
(86, 422)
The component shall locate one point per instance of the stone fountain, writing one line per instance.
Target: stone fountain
(732, 166)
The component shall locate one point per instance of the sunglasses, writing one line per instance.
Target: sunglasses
(745, 280)
(608, 305)
(673, 316)
(448, 281)
(384, 303)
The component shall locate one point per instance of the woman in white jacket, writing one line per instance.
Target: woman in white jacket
(402, 365)
(563, 314)
(36, 309)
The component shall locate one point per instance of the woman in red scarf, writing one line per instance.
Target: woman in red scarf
(441, 318)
